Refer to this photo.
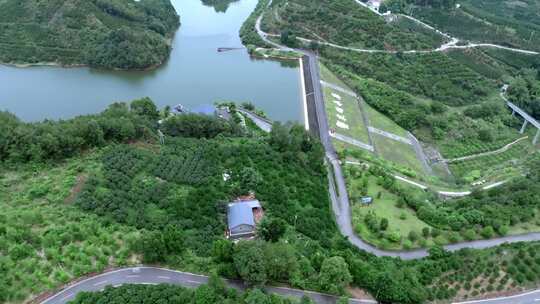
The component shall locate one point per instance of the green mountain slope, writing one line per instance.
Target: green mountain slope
(120, 34)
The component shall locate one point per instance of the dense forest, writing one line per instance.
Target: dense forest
(119, 34)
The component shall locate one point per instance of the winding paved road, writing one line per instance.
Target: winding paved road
(531, 297)
(153, 276)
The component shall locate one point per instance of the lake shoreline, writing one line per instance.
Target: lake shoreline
(25, 65)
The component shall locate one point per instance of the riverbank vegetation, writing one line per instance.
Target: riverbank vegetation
(118, 34)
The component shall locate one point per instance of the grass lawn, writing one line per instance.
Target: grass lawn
(398, 153)
(351, 112)
(400, 220)
(381, 122)
(330, 77)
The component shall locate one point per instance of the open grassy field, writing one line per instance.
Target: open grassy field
(44, 240)
(351, 112)
(397, 152)
(401, 221)
(330, 77)
(381, 122)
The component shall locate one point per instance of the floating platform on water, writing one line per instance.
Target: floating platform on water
(226, 49)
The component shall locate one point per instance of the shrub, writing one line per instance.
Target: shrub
(413, 236)
(487, 232)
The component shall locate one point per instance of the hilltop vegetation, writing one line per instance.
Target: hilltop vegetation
(119, 34)
(509, 23)
(345, 23)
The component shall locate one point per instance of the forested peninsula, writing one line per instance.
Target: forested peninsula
(110, 34)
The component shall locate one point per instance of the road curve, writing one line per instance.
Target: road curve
(531, 297)
(154, 276)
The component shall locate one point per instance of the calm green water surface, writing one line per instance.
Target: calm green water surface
(195, 74)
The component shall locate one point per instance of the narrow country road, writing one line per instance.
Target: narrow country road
(531, 297)
(261, 122)
(153, 276)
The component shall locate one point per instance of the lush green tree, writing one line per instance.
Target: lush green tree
(250, 263)
(281, 261)
(198, 126)
(256, 296)
(334, 275)
(145, 107)
(222, 250)
(384, 224)
(271, 229)
(153, 247)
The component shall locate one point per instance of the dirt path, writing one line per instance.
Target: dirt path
(499, 151)
(81, 180)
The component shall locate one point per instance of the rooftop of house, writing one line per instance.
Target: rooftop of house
(241, 213)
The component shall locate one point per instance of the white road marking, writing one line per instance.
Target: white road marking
(133, 276)
(66, 297)
(164, 277)
(194, 282)
(101, 283)
(501, 298)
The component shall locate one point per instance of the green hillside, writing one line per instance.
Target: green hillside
(505, 22)
(119, 34)
(346, 23)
